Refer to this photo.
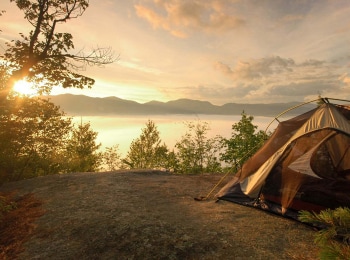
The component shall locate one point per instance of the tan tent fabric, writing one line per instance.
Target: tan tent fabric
(324, 117)
(251, 185)
(304, 165)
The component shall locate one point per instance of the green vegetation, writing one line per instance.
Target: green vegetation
(44, 56)
(147, 151)
(334, 237)
(244, 141)
(82, 151)
(111, 158)
(37, 138)
(195, 152)
(33, 135)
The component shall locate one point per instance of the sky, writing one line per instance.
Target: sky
(221, 51)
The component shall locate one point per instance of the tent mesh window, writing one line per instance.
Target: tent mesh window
(312, 173)
(284, 131)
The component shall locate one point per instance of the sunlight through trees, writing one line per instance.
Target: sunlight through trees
(44, 54)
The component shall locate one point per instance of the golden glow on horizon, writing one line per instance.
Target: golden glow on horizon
(24, 88)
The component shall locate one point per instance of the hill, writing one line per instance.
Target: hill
(83, 105)
(146, 215)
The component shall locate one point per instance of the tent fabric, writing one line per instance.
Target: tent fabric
(305, 165)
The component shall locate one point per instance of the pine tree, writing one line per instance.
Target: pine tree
(147, 151)
(82, 150)
(334, 237)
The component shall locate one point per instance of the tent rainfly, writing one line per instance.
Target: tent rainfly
(304, 165)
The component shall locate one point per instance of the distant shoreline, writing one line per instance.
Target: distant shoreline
(80, 105)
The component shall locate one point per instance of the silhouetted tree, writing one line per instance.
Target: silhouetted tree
(82, 151)
(45, 56)
(33, 136)
(147, 152)
(112, 158)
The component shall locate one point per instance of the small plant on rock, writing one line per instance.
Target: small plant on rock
(334, 235)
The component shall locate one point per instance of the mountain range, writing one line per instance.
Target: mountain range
(78, 105)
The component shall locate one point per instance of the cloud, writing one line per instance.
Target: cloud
(303, 88)
(136, 66)
(271, 79)
(345, 79)
(312, 63)
(181, 17)
(283, 78)
(292, 18)
(217, 94)
(345, 87)
(223, 68)
(256, 68)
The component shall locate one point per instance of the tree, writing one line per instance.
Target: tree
(147, 152)
(33, 135)
(45, 55)
(33, 141)
(112, 158)
(195, 153)
(82, 151)
(334, 237)
(244, 141)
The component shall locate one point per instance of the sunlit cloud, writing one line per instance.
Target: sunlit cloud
(181, 17)
(278, 77)
(133, 65)
(345, 78)
(216, 50)
(257, 68)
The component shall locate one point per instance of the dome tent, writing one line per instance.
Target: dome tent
(304, 165)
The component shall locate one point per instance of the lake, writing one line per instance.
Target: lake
(122, 130)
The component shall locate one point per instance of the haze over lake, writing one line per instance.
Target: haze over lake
(122, 130)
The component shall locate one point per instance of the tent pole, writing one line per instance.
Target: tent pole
(325, 100)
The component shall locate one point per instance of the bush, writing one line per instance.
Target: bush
(334, 235)
(195, 152)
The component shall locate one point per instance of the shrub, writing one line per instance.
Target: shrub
(334, 235)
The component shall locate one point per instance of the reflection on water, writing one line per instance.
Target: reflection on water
(122, 130)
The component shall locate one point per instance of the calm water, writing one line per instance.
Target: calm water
(122, 130)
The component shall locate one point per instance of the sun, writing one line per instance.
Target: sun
(24, 88)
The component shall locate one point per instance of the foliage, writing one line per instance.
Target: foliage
(82, 150)
(195, 152)
(111, 158)
(6, 205)
(244, 141)
(334, 237)
(33, 135)
(36, 138)
(147, 152)
(45, 55)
